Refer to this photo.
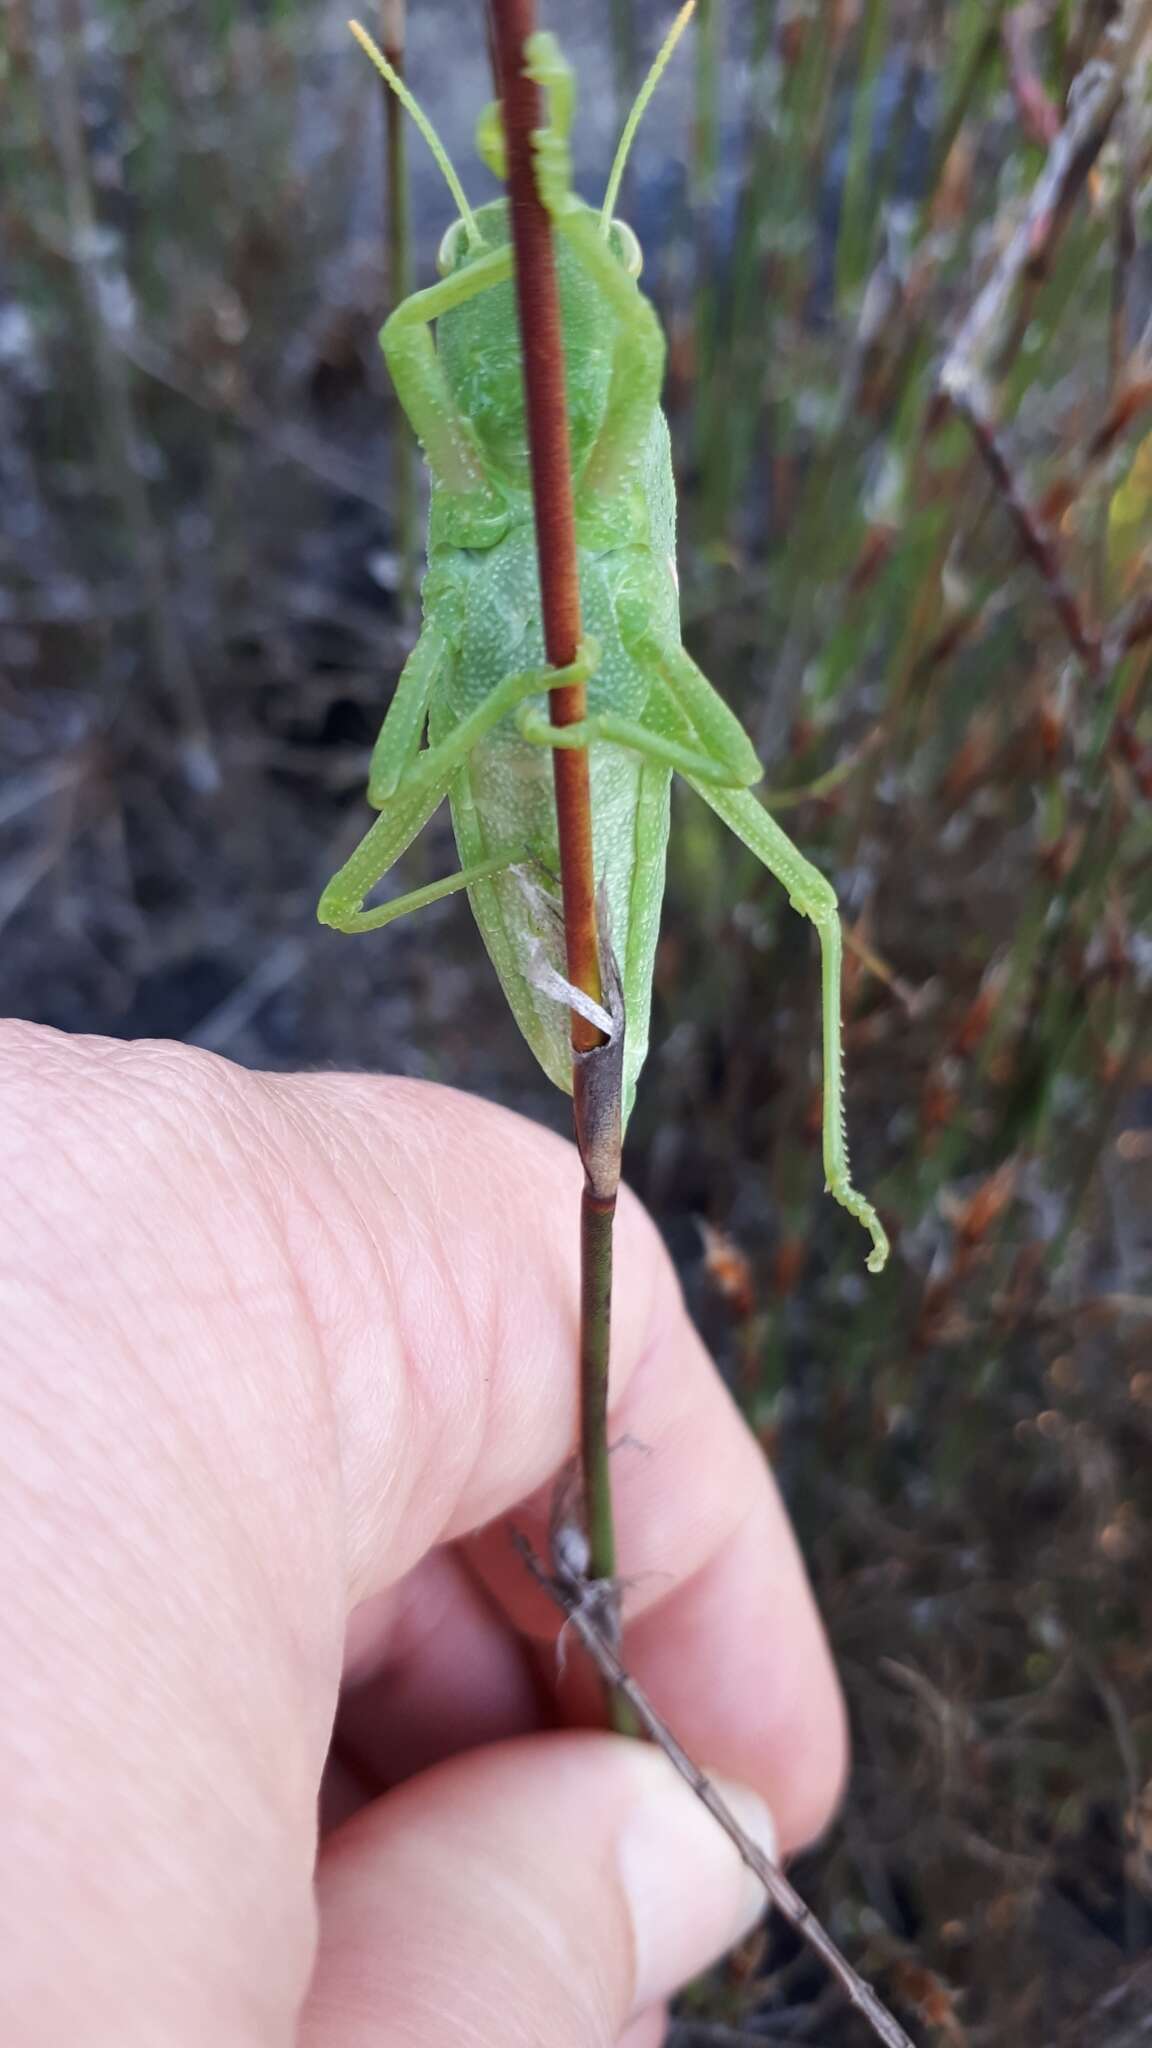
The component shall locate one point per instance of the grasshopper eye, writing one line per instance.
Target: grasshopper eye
(627, 248)
(449, 250)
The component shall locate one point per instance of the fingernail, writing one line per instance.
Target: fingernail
(689, 1894)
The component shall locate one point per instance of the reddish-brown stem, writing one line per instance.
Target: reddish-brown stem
(1133, 628)
(547, 417)
(596, 1062)
(1036, 539)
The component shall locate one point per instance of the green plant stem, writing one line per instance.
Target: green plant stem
(862, 188)
(399, 285)
(597, 1216)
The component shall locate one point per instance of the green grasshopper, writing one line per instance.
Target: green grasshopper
(477, 676)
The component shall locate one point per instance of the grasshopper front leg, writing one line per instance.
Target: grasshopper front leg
(638, 353)
(685, 725)
(342, 904)
(644, 737)
(421, 789)
(398, 743)
(446, 435)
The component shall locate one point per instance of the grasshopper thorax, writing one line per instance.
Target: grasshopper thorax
(479, 345)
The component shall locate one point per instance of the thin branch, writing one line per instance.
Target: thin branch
(1036, 537)
(582, 1601)
(547, 417)
(1135, 626)
(1094, 102)
(596, 1063)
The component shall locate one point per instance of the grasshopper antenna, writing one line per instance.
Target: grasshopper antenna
(413, 107)
(638, 109)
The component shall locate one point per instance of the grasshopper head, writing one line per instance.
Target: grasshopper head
(478, 341)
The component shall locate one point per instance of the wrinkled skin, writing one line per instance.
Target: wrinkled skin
(273, 1386)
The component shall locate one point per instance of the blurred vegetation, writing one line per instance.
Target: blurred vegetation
(940, 630)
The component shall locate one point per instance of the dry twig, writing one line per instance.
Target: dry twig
(583, 1603)
(1093, 104)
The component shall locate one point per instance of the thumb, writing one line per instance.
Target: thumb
(546, 1889)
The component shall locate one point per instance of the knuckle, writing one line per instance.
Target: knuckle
(85, 1112)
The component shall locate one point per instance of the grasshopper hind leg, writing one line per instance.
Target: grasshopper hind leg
(812, 894)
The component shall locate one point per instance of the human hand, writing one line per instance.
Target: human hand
(283, 1356)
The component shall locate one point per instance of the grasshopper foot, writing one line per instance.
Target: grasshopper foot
(535, 726)
(858, 1206)
(588, 657)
